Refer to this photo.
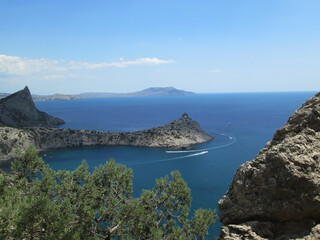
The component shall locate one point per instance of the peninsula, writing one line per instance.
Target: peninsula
(180, 133)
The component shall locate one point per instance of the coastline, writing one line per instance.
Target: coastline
(179, 134)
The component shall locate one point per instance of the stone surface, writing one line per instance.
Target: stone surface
(18, 110)
(263, 230)
(281, 186)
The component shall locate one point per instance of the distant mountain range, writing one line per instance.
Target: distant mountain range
(155, 91)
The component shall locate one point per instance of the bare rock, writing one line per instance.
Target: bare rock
(281, 185)
(13, 138)
(263, 230)
(18, 110)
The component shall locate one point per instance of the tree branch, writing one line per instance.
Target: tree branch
(110, 231)
(160, 220)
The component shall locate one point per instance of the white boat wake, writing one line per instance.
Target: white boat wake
(169, 159)
(186, 151)
(195, 152)
(227, 135)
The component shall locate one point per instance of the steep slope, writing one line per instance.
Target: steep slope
(277, 195)
(18, 110)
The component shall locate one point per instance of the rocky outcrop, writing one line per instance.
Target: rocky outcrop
(13, 138)
(277, 195)
(180, 133)
(18, 110)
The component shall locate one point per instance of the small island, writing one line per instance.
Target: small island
(38, 129)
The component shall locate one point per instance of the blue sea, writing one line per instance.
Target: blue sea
(242, 123)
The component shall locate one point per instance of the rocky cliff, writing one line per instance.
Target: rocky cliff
(277, 195)
(18, 110)
(180, 133)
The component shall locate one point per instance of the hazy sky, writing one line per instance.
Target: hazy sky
(124, 46)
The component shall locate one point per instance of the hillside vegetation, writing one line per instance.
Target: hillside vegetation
(37, 202)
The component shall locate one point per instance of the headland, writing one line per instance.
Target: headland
(178, 134)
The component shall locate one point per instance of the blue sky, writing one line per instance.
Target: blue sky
(124, 46)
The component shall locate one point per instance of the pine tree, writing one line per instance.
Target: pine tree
(37, 202)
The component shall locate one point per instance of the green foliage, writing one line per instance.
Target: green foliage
(39, 203)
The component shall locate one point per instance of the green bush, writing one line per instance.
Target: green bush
(39, 203)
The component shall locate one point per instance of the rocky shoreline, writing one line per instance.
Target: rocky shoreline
(22, 125)
(180, 133)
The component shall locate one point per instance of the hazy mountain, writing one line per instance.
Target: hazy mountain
(154, 91)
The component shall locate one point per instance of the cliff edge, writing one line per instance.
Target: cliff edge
(277, 195)
(18, 110)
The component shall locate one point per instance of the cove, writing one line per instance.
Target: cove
(241, 123)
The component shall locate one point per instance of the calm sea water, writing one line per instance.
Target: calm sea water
(241, 123)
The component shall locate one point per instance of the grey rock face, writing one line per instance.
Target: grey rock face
(18, 110)
(263, 230)
(180, 133)
(279, 191)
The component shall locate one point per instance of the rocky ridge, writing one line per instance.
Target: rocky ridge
(22, 125)
(18, 110)
(180, 133)
(277, 195)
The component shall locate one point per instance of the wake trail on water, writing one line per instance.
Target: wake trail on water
(228, 135)
(170, 159)
(195, 152)
(186, 151)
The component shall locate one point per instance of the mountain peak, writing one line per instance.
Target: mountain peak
(18, 110)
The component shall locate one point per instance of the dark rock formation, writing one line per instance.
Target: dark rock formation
(18, 110)
(180, 133)
(277, 195)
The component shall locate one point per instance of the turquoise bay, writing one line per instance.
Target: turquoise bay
(241, 123)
